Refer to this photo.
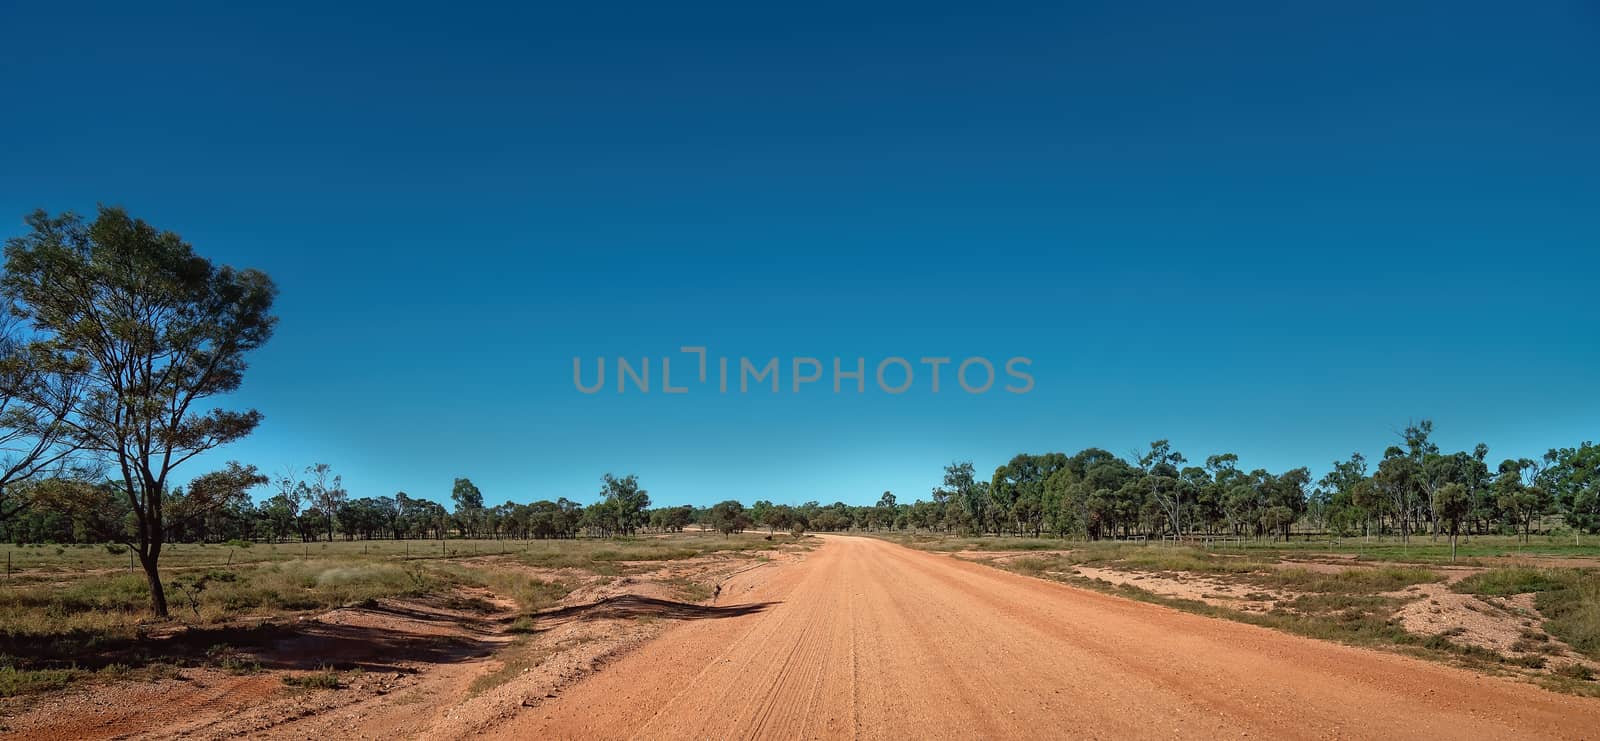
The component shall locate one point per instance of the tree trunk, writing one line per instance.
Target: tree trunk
(152, 574)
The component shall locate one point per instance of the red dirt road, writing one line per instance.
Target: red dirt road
(867, 639)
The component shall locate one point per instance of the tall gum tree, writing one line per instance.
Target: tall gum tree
(156, 331)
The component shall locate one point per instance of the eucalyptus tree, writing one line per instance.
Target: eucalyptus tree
(964, 490)
(1427, 472)
(1286, 500)
(1396, 479)
(761, 514)
(1226, 478)
(1002, 506)
(154, 331)
(1349, 493)
(1453, 503)
(623, 504)
(469, 505)
(729, 517)
(1520, 492)
(1573, 477)
(324, 492)
(1160, 465)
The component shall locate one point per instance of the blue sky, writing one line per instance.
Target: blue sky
(1278, 231)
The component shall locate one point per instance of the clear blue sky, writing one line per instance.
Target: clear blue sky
(1253, 227)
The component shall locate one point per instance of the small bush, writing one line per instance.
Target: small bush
(1531, 662)
(323, 679)
(1439, 642)
(1034, 565)
(231, 661)
(1575, 670)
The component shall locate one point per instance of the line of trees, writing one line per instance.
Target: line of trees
(1416, 487)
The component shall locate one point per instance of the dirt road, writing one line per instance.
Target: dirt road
(868, 639)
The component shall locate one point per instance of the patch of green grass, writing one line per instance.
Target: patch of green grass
(1510, 580)
(1145, 558)
(228, 659)
(112, 606)
(1572, 613)
(610, 557)
(1350, 581)
(15, 681)
(1338, 602)
(1036, 565)
(530, 594)
(322, 679)
(688, 590)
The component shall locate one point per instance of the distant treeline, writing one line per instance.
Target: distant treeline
(1415, 488)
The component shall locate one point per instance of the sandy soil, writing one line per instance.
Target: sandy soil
(1498, 624)
(390, 649)
(412, 668)
(1210, 590)
(865, 638)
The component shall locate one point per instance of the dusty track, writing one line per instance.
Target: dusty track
(869, 639)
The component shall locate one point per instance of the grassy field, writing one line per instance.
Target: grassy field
(47, 562)
(71, 612)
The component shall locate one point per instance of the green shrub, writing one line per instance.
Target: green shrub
(1576, 671)
(323, 679)
(15, 681)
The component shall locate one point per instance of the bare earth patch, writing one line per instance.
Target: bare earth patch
(1507, 626)
(1213, 591)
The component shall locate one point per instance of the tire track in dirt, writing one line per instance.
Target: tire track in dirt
(868, 639)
